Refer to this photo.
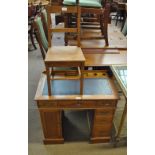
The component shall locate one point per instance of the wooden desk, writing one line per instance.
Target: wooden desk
(99, 94)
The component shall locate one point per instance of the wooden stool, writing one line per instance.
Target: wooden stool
(64, 56)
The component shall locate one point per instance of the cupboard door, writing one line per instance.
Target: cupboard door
(51, 123)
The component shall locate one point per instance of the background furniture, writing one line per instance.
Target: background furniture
(94, 15)
(34, 8)
(31, 14)
(66, 29)
(121, 11)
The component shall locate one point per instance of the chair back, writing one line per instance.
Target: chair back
(44, 21)
(63, 10)
(41, 37)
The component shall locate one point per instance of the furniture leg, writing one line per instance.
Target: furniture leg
(32, 39)
(101, 24)
(66, 33)
(48, 80)
(122, 122)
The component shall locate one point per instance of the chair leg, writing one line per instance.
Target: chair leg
(101, 24)
(66, 34)
(106, 34)
(124, 20)
(32, 39)
(116, 19)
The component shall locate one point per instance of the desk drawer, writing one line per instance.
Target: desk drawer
(102, 130)
(109, 112)
(96, 103)
(68, 104)
(106, 103)
(103, 120)
(47, 104)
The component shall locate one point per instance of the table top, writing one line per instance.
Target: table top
(120, 72)
(92, 86)
(38, 2)
(94, 89)
(120, 1)
(111, 57)
(64, 54)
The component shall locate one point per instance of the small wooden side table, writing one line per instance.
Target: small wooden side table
(64, 56)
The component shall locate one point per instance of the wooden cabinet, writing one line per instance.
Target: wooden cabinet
(52, 126)
(51, 109)
(102, 125)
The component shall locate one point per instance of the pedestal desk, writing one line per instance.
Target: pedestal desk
(99, 94)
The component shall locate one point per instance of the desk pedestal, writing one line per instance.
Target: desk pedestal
(102, 125)
(51, 118)
(52, 126)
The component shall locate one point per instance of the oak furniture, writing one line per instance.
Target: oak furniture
(66, 95)
(121, 11)
(94, 15)
(63, 10)
(64, 56)
(34, 8)
(31, 15)
(40, 35)
(99, 95)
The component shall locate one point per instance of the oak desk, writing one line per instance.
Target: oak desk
(100, 95)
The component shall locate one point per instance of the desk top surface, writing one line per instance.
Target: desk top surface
(94, 88)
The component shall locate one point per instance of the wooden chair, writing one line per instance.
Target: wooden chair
(43, 42)
(31, 15)
(121, 13)
(92, 12)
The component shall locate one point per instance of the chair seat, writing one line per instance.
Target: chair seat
(84, 3)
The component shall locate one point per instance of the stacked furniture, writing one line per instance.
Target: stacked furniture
(67, 85)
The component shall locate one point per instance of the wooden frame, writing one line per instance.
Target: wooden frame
(102, 19)
(66, 10)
